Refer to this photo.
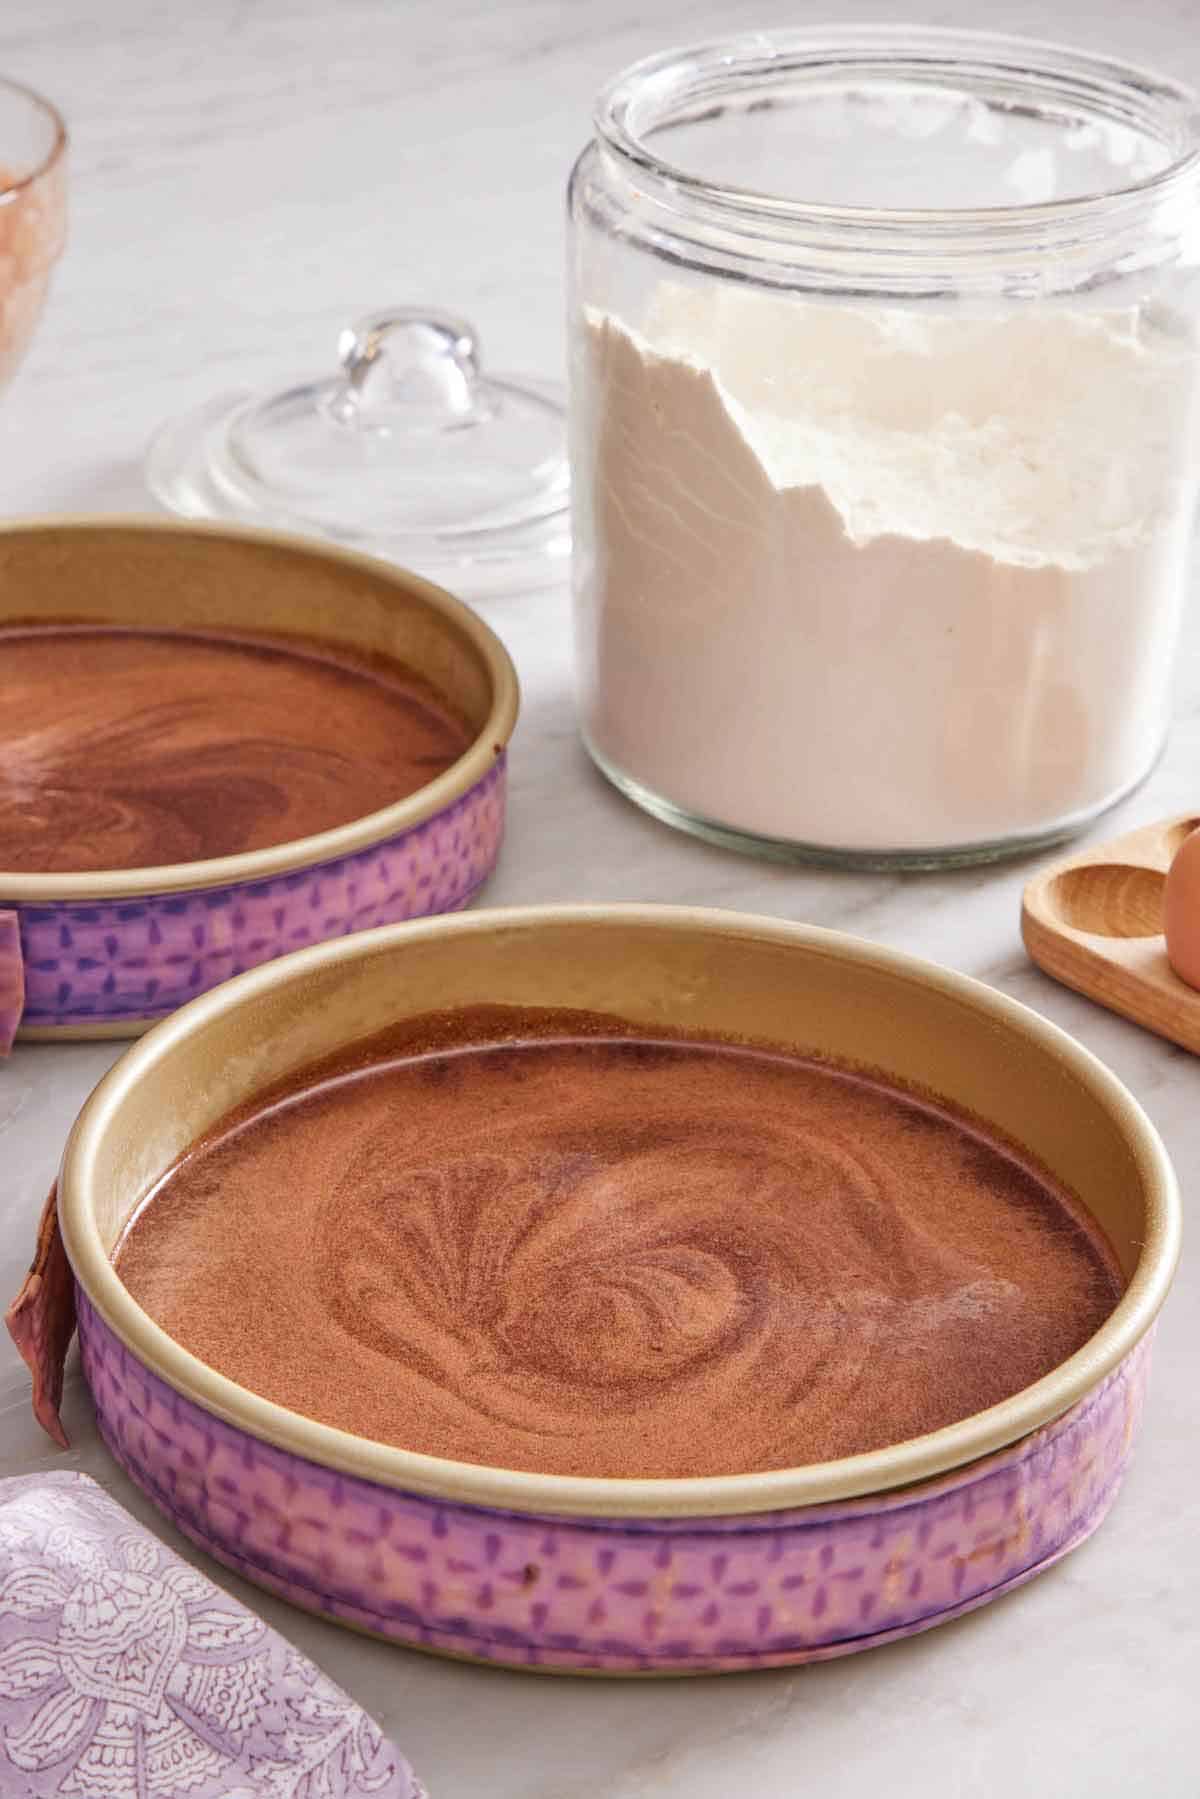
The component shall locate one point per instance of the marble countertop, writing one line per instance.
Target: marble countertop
(247, 175)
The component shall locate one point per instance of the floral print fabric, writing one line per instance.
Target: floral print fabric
(125, 1674)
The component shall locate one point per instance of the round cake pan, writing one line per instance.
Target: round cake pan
(104, 954)
(611, 1575)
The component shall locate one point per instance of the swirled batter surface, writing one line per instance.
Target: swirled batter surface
(608, 1256)
(126, 749)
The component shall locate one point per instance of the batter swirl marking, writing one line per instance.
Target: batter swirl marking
(619, 1258)
(126, 749)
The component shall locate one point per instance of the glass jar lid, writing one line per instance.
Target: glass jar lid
(410, 450)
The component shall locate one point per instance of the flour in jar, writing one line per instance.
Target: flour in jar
(874, 580)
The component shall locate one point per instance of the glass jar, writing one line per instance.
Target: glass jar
(884, 437)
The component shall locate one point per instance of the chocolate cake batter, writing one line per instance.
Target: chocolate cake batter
(124, 749)
(599, 1255)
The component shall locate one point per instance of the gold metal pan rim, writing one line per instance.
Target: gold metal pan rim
(74, 535)
(697, 968)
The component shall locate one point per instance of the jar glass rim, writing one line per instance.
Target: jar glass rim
(651, 93)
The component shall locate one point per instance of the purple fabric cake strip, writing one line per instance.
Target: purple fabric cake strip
(604, 1595)
(125, 1674)
(615, 1596)
(12, 979)
(118, 961)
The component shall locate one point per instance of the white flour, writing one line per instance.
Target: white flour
(872, 580)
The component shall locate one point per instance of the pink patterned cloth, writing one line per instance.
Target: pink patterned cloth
(125, 1674)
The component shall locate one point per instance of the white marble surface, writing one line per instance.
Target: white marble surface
(246, 175)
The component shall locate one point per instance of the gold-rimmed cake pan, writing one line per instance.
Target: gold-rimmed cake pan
(103, 954)
(610, 1575)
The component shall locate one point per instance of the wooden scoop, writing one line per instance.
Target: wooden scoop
(1095, 921)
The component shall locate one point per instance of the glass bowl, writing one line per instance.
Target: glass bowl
(33, 196)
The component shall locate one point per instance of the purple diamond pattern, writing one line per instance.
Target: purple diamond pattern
(618, 1596)
(127, 960)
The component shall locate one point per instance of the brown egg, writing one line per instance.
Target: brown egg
(1181, 911)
